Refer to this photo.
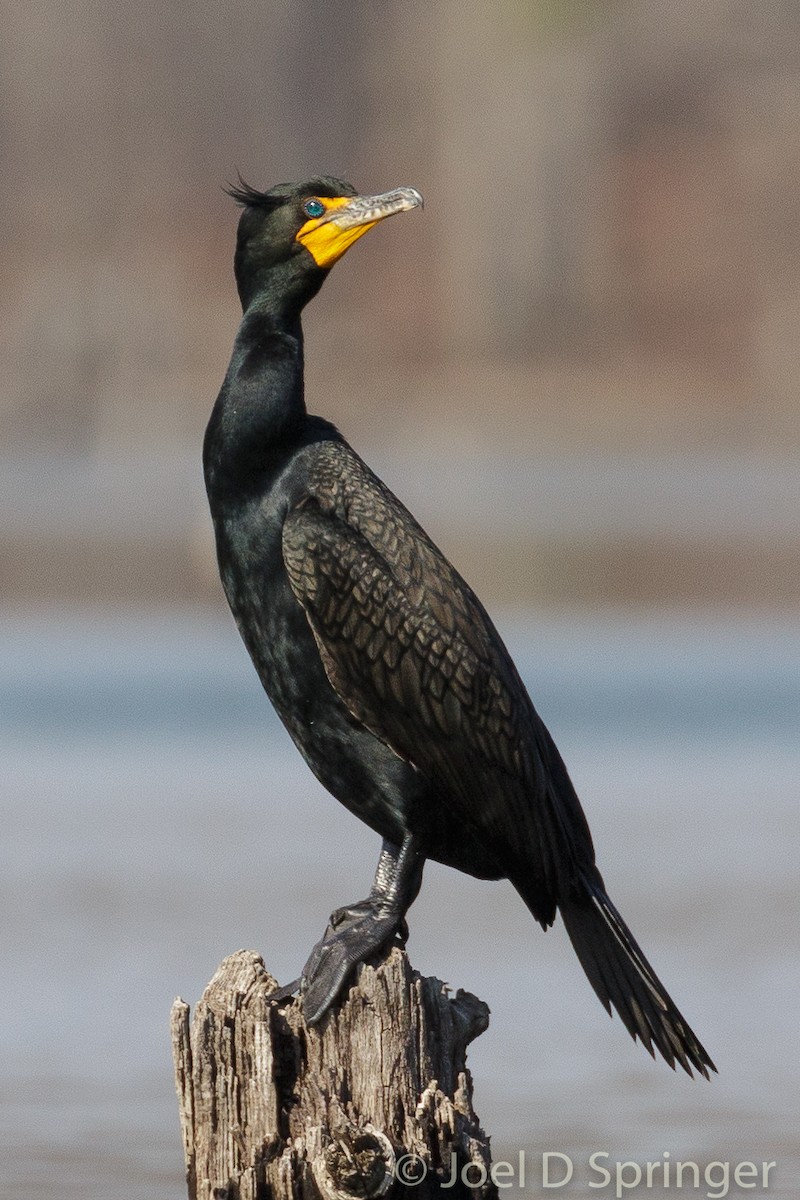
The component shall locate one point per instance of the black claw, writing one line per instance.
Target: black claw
(350, 913)
(286, 992)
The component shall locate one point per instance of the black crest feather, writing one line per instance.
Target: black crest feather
(249, 197)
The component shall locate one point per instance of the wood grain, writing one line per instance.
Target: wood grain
(376, 1098)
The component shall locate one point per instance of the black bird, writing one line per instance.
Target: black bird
(379, 659)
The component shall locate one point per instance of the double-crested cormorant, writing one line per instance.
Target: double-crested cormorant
(379, 659)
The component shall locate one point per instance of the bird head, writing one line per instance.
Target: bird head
(290, 236)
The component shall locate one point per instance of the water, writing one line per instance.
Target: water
(155, 818)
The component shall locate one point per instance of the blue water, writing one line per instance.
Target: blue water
(155, 818)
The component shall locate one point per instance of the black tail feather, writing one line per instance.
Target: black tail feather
(623, 978)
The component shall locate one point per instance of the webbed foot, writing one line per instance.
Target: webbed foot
(354, 934)
(359, 930)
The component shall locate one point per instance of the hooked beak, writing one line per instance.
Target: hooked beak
(346, 218)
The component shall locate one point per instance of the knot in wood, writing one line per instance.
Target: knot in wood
(357, 1165)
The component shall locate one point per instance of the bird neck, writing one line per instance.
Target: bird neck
(260, 410)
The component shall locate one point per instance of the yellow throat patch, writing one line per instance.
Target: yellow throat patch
(326, 241)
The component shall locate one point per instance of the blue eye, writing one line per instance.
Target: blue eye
(313, 208)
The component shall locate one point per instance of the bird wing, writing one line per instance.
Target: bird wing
(411, 652)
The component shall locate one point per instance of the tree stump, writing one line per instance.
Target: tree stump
(376, 1097)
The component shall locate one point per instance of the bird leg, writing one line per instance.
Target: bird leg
(358, 930)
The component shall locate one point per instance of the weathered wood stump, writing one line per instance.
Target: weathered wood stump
(377, 1096)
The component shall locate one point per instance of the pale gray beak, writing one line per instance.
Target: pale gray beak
(363, 210)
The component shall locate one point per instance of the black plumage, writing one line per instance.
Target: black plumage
(380, 660)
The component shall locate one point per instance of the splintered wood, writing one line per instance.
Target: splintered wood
(373, 1100)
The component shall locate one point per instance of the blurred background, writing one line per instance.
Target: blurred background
(579, 368)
